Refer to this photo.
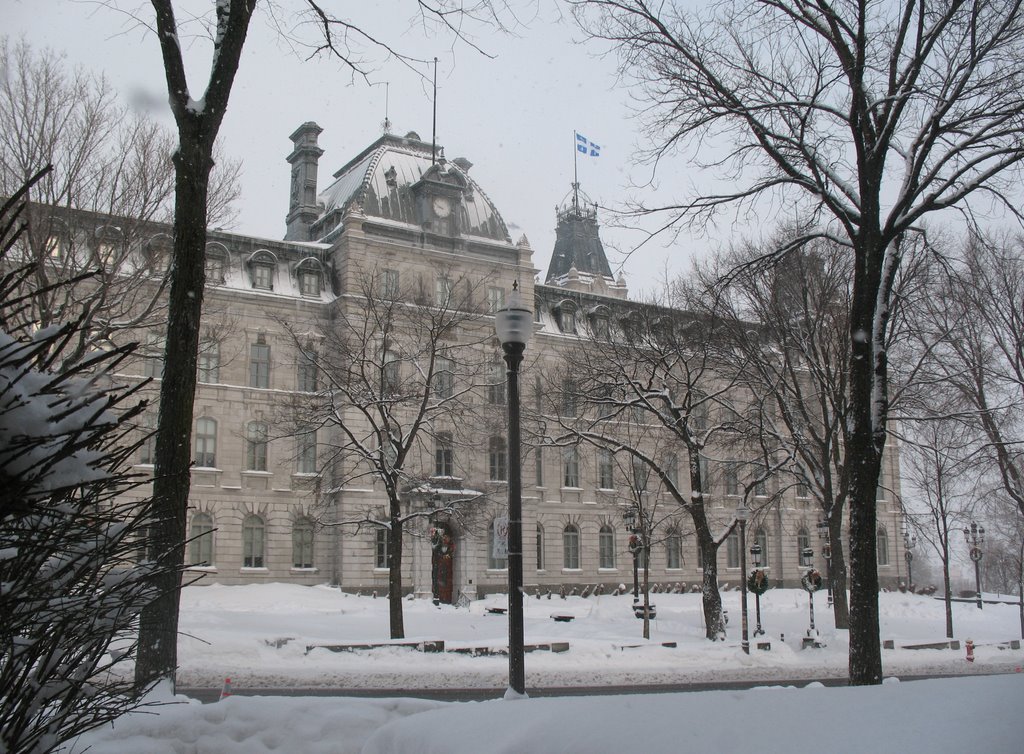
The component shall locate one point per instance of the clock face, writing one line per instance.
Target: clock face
(442, 208)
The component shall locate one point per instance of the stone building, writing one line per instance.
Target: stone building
(272, 485)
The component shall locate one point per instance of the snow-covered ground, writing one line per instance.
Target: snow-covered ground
(258, 636)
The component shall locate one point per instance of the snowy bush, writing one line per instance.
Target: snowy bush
(70, 528)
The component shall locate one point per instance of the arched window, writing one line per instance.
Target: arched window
(206, 442)
(540, 547)
(256, 446)
(302, 543)
(497, 559)
(497, 459)
(253, 530)
(571, 547)
(606, 547)
(803, 542)
(674, 550)
(882, 543)
(201, 540)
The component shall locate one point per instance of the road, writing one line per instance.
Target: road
(207, 695)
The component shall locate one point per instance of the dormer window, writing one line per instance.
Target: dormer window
(309, 278)
(214, 268)
(261, 270)
(566, 316)
(263, 277)
(599, 322)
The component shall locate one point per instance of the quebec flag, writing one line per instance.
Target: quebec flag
(587, 147)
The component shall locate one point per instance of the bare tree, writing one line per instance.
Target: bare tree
(865, 117)
(648, 386)
(71, 523)
(198, 120)
(398, 384)
(98, 211)
(940, 464)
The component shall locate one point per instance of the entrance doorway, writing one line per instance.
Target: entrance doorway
(442, 563)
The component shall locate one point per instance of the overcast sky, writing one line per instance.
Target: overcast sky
(513, 116)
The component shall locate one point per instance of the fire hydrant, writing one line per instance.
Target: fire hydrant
(970, 650)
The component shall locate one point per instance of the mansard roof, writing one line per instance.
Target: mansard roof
(380, 181)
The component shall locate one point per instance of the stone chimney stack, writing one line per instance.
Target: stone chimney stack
(302, 207)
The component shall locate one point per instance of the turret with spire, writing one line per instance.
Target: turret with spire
(579, 261)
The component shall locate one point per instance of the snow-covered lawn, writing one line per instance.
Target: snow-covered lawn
(240, 632)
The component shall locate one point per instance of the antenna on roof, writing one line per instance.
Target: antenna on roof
(386, 125)
(433, 135)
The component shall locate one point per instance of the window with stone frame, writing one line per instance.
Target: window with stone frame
(309, 279)
(206, 442)
(538, 466)
(200, 535)
(570, 405)
(391, 374)
(303, 531)
(256, 440)
(253, 542)
(306, 451)
(306, 370)
(571, 467)
(263, 276)
(215, 265)
(571, 547)
(380, 556)
(147, 449)
(605, 469)
(259, 363)
(444, 378)
(497, 459)
(495, 299)
(153, 355)
(540, 547)
(882, 546)
(443, 289)
(496, 378)
(732, 548)
(731, 478)
(208, 365)
(803, 542)
(606, 547)
(389, 284)
(761, 538)
(674, 550)
(444, 455)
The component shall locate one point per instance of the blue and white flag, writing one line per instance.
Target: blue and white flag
(587, 147)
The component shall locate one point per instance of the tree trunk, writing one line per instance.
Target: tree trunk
(712, 600)
(947, 596)
(158, 625)
(837, 570)
(864, 444)
(395, 540)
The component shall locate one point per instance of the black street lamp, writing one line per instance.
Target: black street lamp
(755, 556)
(514, 325)
(975, 536)
(742, 514)
(909, 541)
(811, 583)
(826, 552)
(635, 545)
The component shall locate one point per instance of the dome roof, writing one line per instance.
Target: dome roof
(380, 183)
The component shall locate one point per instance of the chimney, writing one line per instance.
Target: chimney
(305, 156)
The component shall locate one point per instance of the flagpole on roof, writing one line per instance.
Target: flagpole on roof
(433, 136)
(575, 174)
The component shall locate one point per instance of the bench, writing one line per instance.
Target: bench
(563, 618)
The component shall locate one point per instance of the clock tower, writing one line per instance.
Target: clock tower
(439, 195)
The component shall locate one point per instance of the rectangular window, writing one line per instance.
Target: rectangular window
(153, 355)
(256, 446)
(641, 474)
(538, 470)
(802, 491)
(496, 384)
(214, 269)
(444, 378)
(731, 478)
(671, 468)
(306, 379)
(606, 548)
(259, 365)
(309, 282)
(263, 277)
(391, 374)
(732, 549)
(443, 288)
(605, 471)
(569, 407)
(571, 467)
(306, 452)
(389, 284)
(705, 475)
(495, 299)
(147, 451)
(381, 559)
(209, 361)
(444, 455)
(674, 551)
(206, 442)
